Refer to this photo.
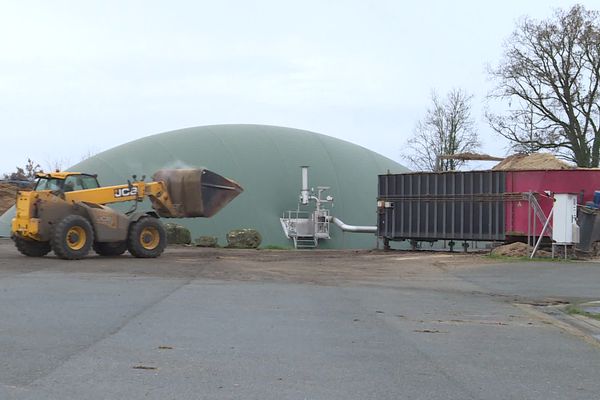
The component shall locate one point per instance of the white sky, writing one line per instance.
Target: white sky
(84, 76)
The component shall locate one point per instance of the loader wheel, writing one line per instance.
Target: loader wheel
(32, 248)
(147, 238)
(110, 248)
(72, 237)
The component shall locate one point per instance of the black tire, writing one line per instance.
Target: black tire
(72, 238)
(110, 248)
(147, 238)
(32, 248)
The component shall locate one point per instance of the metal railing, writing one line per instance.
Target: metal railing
(304, 226)
(292, 218)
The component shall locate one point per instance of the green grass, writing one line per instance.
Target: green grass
(573, 309)
(276, 247)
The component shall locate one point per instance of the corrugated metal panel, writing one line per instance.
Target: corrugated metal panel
(442, 206)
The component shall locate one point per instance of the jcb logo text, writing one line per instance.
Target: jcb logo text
(125, 192)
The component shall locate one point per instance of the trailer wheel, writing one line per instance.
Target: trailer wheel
(72, 237)
(32, 248)
(147, 238)
(110, 248)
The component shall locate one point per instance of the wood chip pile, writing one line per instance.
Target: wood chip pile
(531, 161)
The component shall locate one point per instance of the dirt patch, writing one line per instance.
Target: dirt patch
(316, 267)
(531, 161)
(8, 196)
(518, 249)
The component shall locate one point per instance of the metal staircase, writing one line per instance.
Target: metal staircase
(305, 242)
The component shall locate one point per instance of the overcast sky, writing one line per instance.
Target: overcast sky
(79, 77)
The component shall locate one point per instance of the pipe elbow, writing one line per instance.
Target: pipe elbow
(353, 228)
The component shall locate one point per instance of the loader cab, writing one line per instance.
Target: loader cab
(66, 182)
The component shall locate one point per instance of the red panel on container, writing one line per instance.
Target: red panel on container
(582, 182)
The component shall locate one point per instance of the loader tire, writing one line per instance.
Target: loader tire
(147, 238)
(72, 237)
(32, 248)
(110, 248)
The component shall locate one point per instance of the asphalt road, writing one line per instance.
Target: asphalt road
(290, 325)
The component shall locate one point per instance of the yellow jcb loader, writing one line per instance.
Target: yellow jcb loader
(66, 212)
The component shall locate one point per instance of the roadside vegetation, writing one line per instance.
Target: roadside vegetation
(574, 309)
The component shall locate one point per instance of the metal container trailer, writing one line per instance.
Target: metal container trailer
(474, 205)
(582, 182)
(442, 206)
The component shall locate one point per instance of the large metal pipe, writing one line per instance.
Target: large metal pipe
(354, 228)
(305, 193)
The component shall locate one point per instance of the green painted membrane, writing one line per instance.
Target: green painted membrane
(265, 161)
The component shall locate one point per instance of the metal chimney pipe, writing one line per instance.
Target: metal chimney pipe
(304, 194)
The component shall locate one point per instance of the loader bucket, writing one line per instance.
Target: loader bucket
(195, 192)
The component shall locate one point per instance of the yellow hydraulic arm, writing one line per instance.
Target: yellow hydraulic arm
(177, 193)
(120, 193)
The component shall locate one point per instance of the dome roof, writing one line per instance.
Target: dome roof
(265, 160)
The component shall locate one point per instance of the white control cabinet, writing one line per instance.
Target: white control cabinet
(564, 225)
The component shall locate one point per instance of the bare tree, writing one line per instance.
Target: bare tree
(89, 153)
(550, 75)
(446, 129)
(57, 163)
(25, 173)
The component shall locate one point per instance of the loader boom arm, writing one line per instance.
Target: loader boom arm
(122, 193)
(179, 193)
